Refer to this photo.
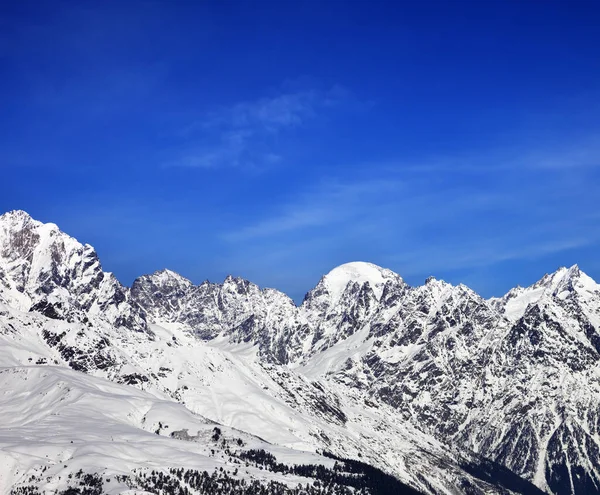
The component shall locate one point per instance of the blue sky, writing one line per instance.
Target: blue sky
(276, 140)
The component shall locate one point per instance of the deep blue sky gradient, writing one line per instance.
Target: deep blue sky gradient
(276, 140)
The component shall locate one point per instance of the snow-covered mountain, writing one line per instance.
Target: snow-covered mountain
(439, 388)
(44, 270)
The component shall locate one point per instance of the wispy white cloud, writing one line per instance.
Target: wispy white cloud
(287, 109)
(581, 153)
(229, 148)
(431, 222)
(271, 114)
(329, 203)
(435, 258)
(245, 134)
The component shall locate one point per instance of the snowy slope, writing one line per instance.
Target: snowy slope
(57, 422)
(228, 384)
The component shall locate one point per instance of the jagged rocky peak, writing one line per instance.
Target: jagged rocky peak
(45, 270)
(169, 277)
(436, 285)
(572, 280)
(560, 277)
(16, 217)
(38, 258)
(160, 284)
(16, 220)
(160, 293)
(21, 235)
(237, 308)
(238, 286)
(440, 297)
(564, 283)
(431, 292)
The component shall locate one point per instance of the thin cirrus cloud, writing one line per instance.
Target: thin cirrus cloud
(245, 134)
(422, 221)
(331, 202)
(435, 258)
(581, 153)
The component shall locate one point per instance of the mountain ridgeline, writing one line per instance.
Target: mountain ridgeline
(432, 387)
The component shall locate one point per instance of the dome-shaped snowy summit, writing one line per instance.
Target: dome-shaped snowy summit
(361, 272)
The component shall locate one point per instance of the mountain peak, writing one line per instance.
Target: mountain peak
(431, 281)
(17, 217)
(231, 280)
(16, 222)
(574, 271)
(559, 284)
(169, 276)
(15, 214)
(562, 276)
(357, 271)
(47, 271)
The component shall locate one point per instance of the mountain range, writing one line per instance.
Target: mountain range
(368, 386)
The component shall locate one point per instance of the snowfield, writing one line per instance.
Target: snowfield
(57, 421)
